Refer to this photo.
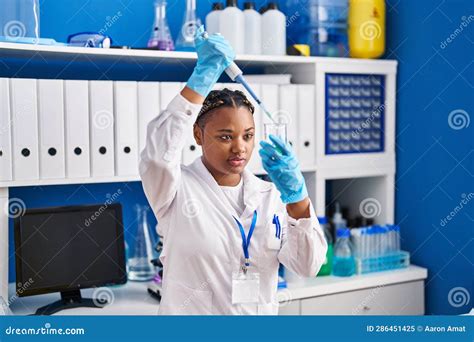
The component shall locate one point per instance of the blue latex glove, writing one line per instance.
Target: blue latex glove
(283, 169)
(214, 56)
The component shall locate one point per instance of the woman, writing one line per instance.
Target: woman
(226, 231)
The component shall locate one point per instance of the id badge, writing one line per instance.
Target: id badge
(245, 287)
(273, 242)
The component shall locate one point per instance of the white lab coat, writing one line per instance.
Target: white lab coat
(202, 242)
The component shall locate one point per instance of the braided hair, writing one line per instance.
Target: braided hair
(222, 98)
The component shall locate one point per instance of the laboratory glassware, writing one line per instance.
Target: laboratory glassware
(278, 129)
(161, 37)
(140, 267)
(191, 22)
(20, 19)
(343, 259)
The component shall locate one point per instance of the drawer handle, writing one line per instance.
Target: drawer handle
(366, 308)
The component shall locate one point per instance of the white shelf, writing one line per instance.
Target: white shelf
(329, 174)
(92, 180)
(66, 181)
(29, 50)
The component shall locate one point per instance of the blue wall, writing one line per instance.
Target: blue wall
(434, 161)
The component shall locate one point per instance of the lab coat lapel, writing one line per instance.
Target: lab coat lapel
(206, 176)
(252, 190)
(252, 194)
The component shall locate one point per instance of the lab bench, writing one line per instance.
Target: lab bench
(397, 292)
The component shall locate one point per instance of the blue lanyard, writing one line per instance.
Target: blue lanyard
(246, 240)
(276, 222)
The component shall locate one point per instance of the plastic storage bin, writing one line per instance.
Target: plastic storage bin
(391, 261)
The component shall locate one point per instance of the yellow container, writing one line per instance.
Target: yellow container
(366, 28)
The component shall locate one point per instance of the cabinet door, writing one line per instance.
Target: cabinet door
(291, 308)
(399, 299)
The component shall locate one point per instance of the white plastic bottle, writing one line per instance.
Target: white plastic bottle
(273, 31)
(231, 26)
(212, 19)
(253, 31)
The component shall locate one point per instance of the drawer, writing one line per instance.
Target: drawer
(400, 299)
(291, 308)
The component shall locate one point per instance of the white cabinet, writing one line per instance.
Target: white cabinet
(391, 293)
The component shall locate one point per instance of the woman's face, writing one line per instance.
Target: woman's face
(227, 140)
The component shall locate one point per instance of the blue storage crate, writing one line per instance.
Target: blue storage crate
(355, 113)
(400, 259)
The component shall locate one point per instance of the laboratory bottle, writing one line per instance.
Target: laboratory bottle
(273, 31)
(161, 37)
(191, 22)
(327, 265)
(366, 28)
(253, 29)
(370, 242)
(337, 220)
(343, 259)
(231, 26)
(212, 19)
(140, 267)
(397, 238)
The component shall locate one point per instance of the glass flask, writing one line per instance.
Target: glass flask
(140, 267)
(161, 37)
(191, 22)
(19, 19)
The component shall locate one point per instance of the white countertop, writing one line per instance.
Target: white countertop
(325, 285)
(133, 299)
(129, 299)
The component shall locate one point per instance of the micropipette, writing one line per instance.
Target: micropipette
(237, 75)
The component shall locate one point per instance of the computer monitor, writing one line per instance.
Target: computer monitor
(66, 249)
